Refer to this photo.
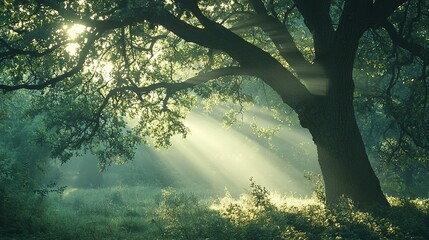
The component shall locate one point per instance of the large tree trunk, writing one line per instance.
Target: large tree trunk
(344, 163)
(341, 152)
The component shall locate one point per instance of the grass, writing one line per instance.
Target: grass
(104, 213)
(152, 213)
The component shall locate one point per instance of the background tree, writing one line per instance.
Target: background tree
(391, 99)
(98, 62)
(24, 160)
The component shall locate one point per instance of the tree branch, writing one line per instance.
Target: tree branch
(261, 63)
(13, 52)
(398, 39)
(319, 22)
(52, 81)
(171, 88)
(214, 36)
(281, 37)
(381, 9)
(285, 44)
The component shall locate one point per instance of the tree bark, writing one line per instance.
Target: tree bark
(341, 152)
(344, 163)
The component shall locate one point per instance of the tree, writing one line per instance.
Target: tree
(97, 62)
(22, 167)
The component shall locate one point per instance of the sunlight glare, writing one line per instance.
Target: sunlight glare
(106, 70)
(74, 31)
(72, 48)
(103, 68)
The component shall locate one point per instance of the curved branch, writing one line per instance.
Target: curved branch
(52, 81)
(381, 9)
(13, 52)
(171, 88)
(261, 63)
(281, 37)
(285, 44)
(398, 39)
(179, 86)
(214, 36)
(318, 20)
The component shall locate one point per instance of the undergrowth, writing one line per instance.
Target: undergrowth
(150, 213)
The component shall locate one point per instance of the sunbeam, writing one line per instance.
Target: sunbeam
(212, 156)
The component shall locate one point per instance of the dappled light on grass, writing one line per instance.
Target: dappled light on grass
(246, 201)
(256, 216)
(153, 213)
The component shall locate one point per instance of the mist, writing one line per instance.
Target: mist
(211, 159)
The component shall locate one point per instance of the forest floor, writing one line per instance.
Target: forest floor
(153, 213)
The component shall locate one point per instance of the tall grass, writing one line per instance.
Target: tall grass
(144, 212)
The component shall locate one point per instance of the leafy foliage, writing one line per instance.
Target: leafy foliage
(318, 187)
(99, 66)
(23, 162)
(114, 74)
(391, 103)
(182, 216)
(142, 212)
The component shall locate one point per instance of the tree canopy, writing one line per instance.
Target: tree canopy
(98, 63)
